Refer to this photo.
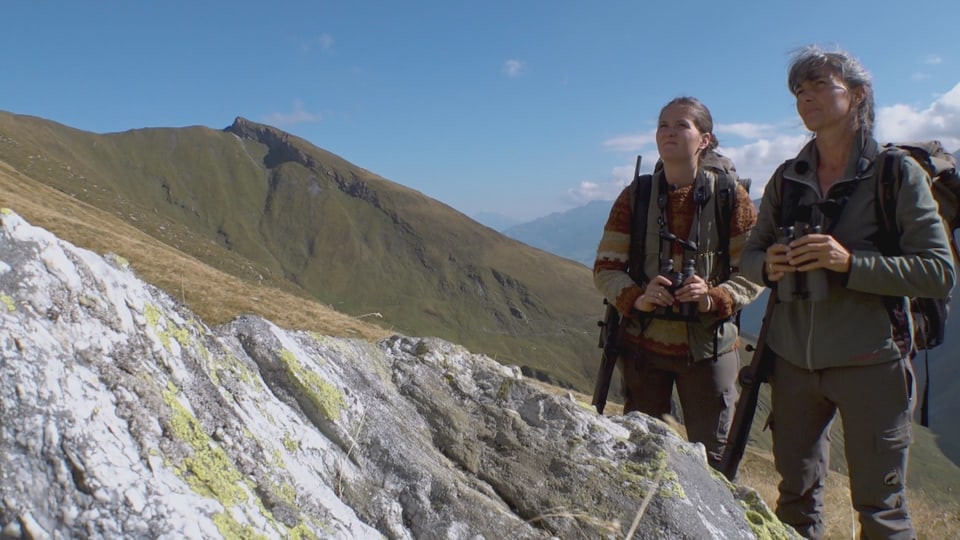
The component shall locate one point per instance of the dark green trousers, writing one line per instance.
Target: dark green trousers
(876, 404)
(706, 388)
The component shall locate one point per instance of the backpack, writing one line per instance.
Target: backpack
(929, 315)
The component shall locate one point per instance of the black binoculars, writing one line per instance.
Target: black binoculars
(811, 285)
(687, 311)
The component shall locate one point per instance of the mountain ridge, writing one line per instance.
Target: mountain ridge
(312, 223)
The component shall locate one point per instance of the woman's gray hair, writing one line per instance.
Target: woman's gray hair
(807, 63)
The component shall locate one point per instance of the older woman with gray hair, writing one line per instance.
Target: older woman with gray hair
(837, 341)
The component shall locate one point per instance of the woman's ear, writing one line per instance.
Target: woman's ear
(705, 141)
(859, 95)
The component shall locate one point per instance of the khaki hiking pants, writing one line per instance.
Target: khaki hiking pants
(707, 390)
(876, 404)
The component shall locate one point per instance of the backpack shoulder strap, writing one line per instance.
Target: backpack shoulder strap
(887, 240)
(888, 185)
(643, 186)
(726, 202)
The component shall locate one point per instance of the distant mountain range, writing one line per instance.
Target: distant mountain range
(496, 220)
(572, 234)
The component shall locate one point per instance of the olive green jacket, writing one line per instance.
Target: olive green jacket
(852, 325)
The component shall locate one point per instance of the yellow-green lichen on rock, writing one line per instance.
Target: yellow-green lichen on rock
(208, 471)
(640, 472)
(154, 316)
(325, 396)
(121, 262)
(7, 301)
(290, 444)
(763, 522)
(503, 392)
(285, 492)
(233, 530)
(232, 365)
(301, 532)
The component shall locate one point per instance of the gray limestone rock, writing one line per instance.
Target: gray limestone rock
(123, 416)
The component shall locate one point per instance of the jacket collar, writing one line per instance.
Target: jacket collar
(861, 164)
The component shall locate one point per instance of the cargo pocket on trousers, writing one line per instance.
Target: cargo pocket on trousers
(894, 439)
(728, 405)
(910, 385)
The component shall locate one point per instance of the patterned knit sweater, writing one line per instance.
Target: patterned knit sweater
(664, 336)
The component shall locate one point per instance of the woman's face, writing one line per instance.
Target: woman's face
(677, 134)
(824, 101)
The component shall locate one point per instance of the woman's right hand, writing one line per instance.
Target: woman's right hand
(777, 262)
(655, 295)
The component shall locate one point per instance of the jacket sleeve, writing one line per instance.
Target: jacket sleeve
(737, 291)
(926, 267)
(764, 233)
(613, 253)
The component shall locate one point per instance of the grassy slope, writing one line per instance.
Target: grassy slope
(310, 223)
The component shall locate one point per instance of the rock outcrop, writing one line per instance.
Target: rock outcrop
(123, 416)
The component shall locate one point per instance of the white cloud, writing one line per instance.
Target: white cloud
(513, 68)
(324, 42)
(607, 190)
(768, 145)
(933, 60)
(941, 120)
(767, 148)
(299, 116)
(757, 160)
(745, 130)
(631, 142)
(595, 191)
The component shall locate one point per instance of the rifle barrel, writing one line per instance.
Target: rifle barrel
(750, 378)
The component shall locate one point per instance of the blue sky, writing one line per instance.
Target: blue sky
(521, 108)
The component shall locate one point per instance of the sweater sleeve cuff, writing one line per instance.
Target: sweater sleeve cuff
(722, 302)
(626, 300)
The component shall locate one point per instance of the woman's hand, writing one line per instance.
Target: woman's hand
(655, 295)
(812, 251)
(778, 262)
(695, 289)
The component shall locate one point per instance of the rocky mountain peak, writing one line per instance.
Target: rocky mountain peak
(282, 146)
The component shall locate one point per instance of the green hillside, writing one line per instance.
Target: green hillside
(268, 207)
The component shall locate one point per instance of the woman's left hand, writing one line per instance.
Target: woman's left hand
(695, 289)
